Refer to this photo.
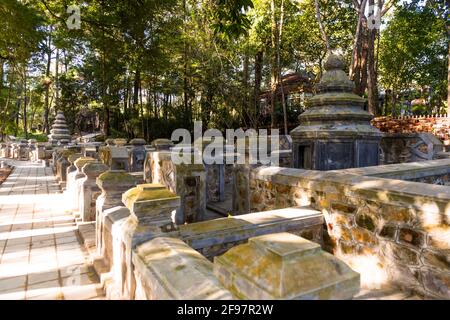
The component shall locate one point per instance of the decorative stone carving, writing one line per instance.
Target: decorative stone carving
(285, 266)
(335, 131)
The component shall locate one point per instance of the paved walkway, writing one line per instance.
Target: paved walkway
(40, 254)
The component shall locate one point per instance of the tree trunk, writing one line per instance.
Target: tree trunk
(280, 79)
(372, 85)
(355, 63)
(274, 71)
(321, 27)
(47, 89)
(57, 106)
(257, 88)
(24, 93)
(448, 81)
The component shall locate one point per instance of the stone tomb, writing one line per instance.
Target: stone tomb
(335, 131)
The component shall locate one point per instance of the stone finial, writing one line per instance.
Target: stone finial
(120, 142)
(335, 79)
(162, 144)
(334, 62)
(138, 142)
(151, 203)
(94, 169)
(116, 179)
(285, 266)
(80, 162)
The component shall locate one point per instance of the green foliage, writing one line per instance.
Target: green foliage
(413, 51)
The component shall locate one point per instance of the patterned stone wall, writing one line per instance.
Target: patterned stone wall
(388, 230)
(437, 125)
(409, 147)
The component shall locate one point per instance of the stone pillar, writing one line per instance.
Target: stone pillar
(62, 163)
(151, 208)
(89, 189)
(137, 155)
(71, 173)
(186, 180)
(91, 149)
(241, 175)
(78, 177)
(285, 266)
(31, 150)
(23, 150)
(113, 184)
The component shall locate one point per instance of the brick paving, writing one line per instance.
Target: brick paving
(40, 253)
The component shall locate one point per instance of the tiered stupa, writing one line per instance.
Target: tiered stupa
(335, 131)
(59, 134)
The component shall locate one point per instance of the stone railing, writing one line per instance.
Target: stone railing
(391, 231)
(148, 260)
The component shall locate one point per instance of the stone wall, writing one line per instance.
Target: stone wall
(437, 125)
(391, 231)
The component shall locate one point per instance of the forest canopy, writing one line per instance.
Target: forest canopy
(142, 68)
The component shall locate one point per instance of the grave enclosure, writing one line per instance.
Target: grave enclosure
(145, 220)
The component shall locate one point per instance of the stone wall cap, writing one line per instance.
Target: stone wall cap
(147, 193)
(286, 245)
(285, 266)
(80, 162)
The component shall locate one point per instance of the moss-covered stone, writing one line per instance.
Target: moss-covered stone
(366, 222)
(342, 208)
(411, 236)
(388, 232)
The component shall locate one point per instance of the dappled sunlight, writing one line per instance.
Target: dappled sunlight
(373, 275)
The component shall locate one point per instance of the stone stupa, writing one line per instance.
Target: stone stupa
(335, 130)
(59, 134)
